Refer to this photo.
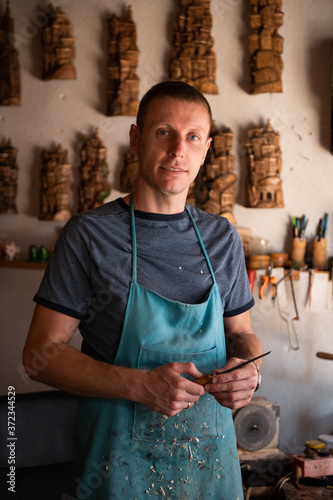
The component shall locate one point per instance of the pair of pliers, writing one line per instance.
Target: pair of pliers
(267, 278)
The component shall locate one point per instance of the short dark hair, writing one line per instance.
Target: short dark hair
(177, 90)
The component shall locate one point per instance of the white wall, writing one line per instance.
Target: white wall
(60, 111)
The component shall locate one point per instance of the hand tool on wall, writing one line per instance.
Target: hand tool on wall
(295, 346)
(267, 278)
(299, 226)
(311, 277)
(322, 226)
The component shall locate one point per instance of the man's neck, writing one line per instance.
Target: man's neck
(161, 204)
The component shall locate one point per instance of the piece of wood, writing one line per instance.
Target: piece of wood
(193, 60)
(8, 178)
(58, 47)
(215, 190)
(20, 264)
(10, 73)
(324, 355)
(123, 82)
(55, 185)
(94, 187)
(264, 165)
(266, 46)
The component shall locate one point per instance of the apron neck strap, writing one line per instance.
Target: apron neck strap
(134, 252)
(201, 244)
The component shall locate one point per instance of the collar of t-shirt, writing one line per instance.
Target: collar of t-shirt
(151, 215)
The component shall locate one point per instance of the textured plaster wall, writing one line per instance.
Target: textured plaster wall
(60, 111)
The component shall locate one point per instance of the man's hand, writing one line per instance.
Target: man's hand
(165, 391)
(235, 389)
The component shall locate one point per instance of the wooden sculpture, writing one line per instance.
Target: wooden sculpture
(129, 172)
(8, 179)
(194, 60)
(217, 184)
(123, 83)
(266, 46)
(264, 165)
(58, 46)
(94, 187)
(10, 76)
(55, 185)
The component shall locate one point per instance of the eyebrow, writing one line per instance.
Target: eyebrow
(195, 129)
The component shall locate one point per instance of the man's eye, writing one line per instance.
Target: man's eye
(193, 137)
(163, 132)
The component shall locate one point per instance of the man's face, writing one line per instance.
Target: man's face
(172, 145)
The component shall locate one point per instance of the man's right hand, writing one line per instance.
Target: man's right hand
(165, 391)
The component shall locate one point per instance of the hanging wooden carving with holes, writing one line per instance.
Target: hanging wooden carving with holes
(94, 187)
(123, 82)
(194, 60)
(216, 187)
(8, 178)
(58, 47)
(129, 172)
(266, 46)
(10, 75)
(55, 185)
(264, 165)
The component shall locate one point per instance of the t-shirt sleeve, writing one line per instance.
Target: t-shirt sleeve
(66, 286)
(239, 298)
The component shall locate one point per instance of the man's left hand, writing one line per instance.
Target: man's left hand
(235, 389)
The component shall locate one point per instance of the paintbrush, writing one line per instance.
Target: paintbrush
(205, 379)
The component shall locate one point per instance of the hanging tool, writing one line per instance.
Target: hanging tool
(268, 279)
(294, 298)
(311, 277)
(293, 346)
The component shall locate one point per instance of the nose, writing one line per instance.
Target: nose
(176, 148)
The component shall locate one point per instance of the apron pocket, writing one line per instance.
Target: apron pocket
(197, 423)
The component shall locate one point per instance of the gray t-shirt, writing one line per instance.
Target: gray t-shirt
(89, 274)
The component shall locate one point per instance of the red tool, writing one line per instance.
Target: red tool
(252, 277)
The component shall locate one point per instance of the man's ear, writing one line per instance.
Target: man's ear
(209, 141)
(134, 134)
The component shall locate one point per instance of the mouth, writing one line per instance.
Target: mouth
(172, 169)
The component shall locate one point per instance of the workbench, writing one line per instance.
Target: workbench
(290, 491)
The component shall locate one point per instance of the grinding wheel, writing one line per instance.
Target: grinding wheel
(255, 427)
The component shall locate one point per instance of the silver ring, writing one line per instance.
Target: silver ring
(188, 405)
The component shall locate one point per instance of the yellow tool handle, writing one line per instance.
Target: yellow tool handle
(204, 379)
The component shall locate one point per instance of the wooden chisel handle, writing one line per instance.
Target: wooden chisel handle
(324, 355)
(204, 379)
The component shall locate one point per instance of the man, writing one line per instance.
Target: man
(152, 285)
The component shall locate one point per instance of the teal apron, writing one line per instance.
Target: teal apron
(123, 450)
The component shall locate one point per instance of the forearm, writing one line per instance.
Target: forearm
(241, 341)
(48, 358)
(243, 346)
(163, 389)
(64, 367)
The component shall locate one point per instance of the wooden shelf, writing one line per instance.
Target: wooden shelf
(21, 264)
